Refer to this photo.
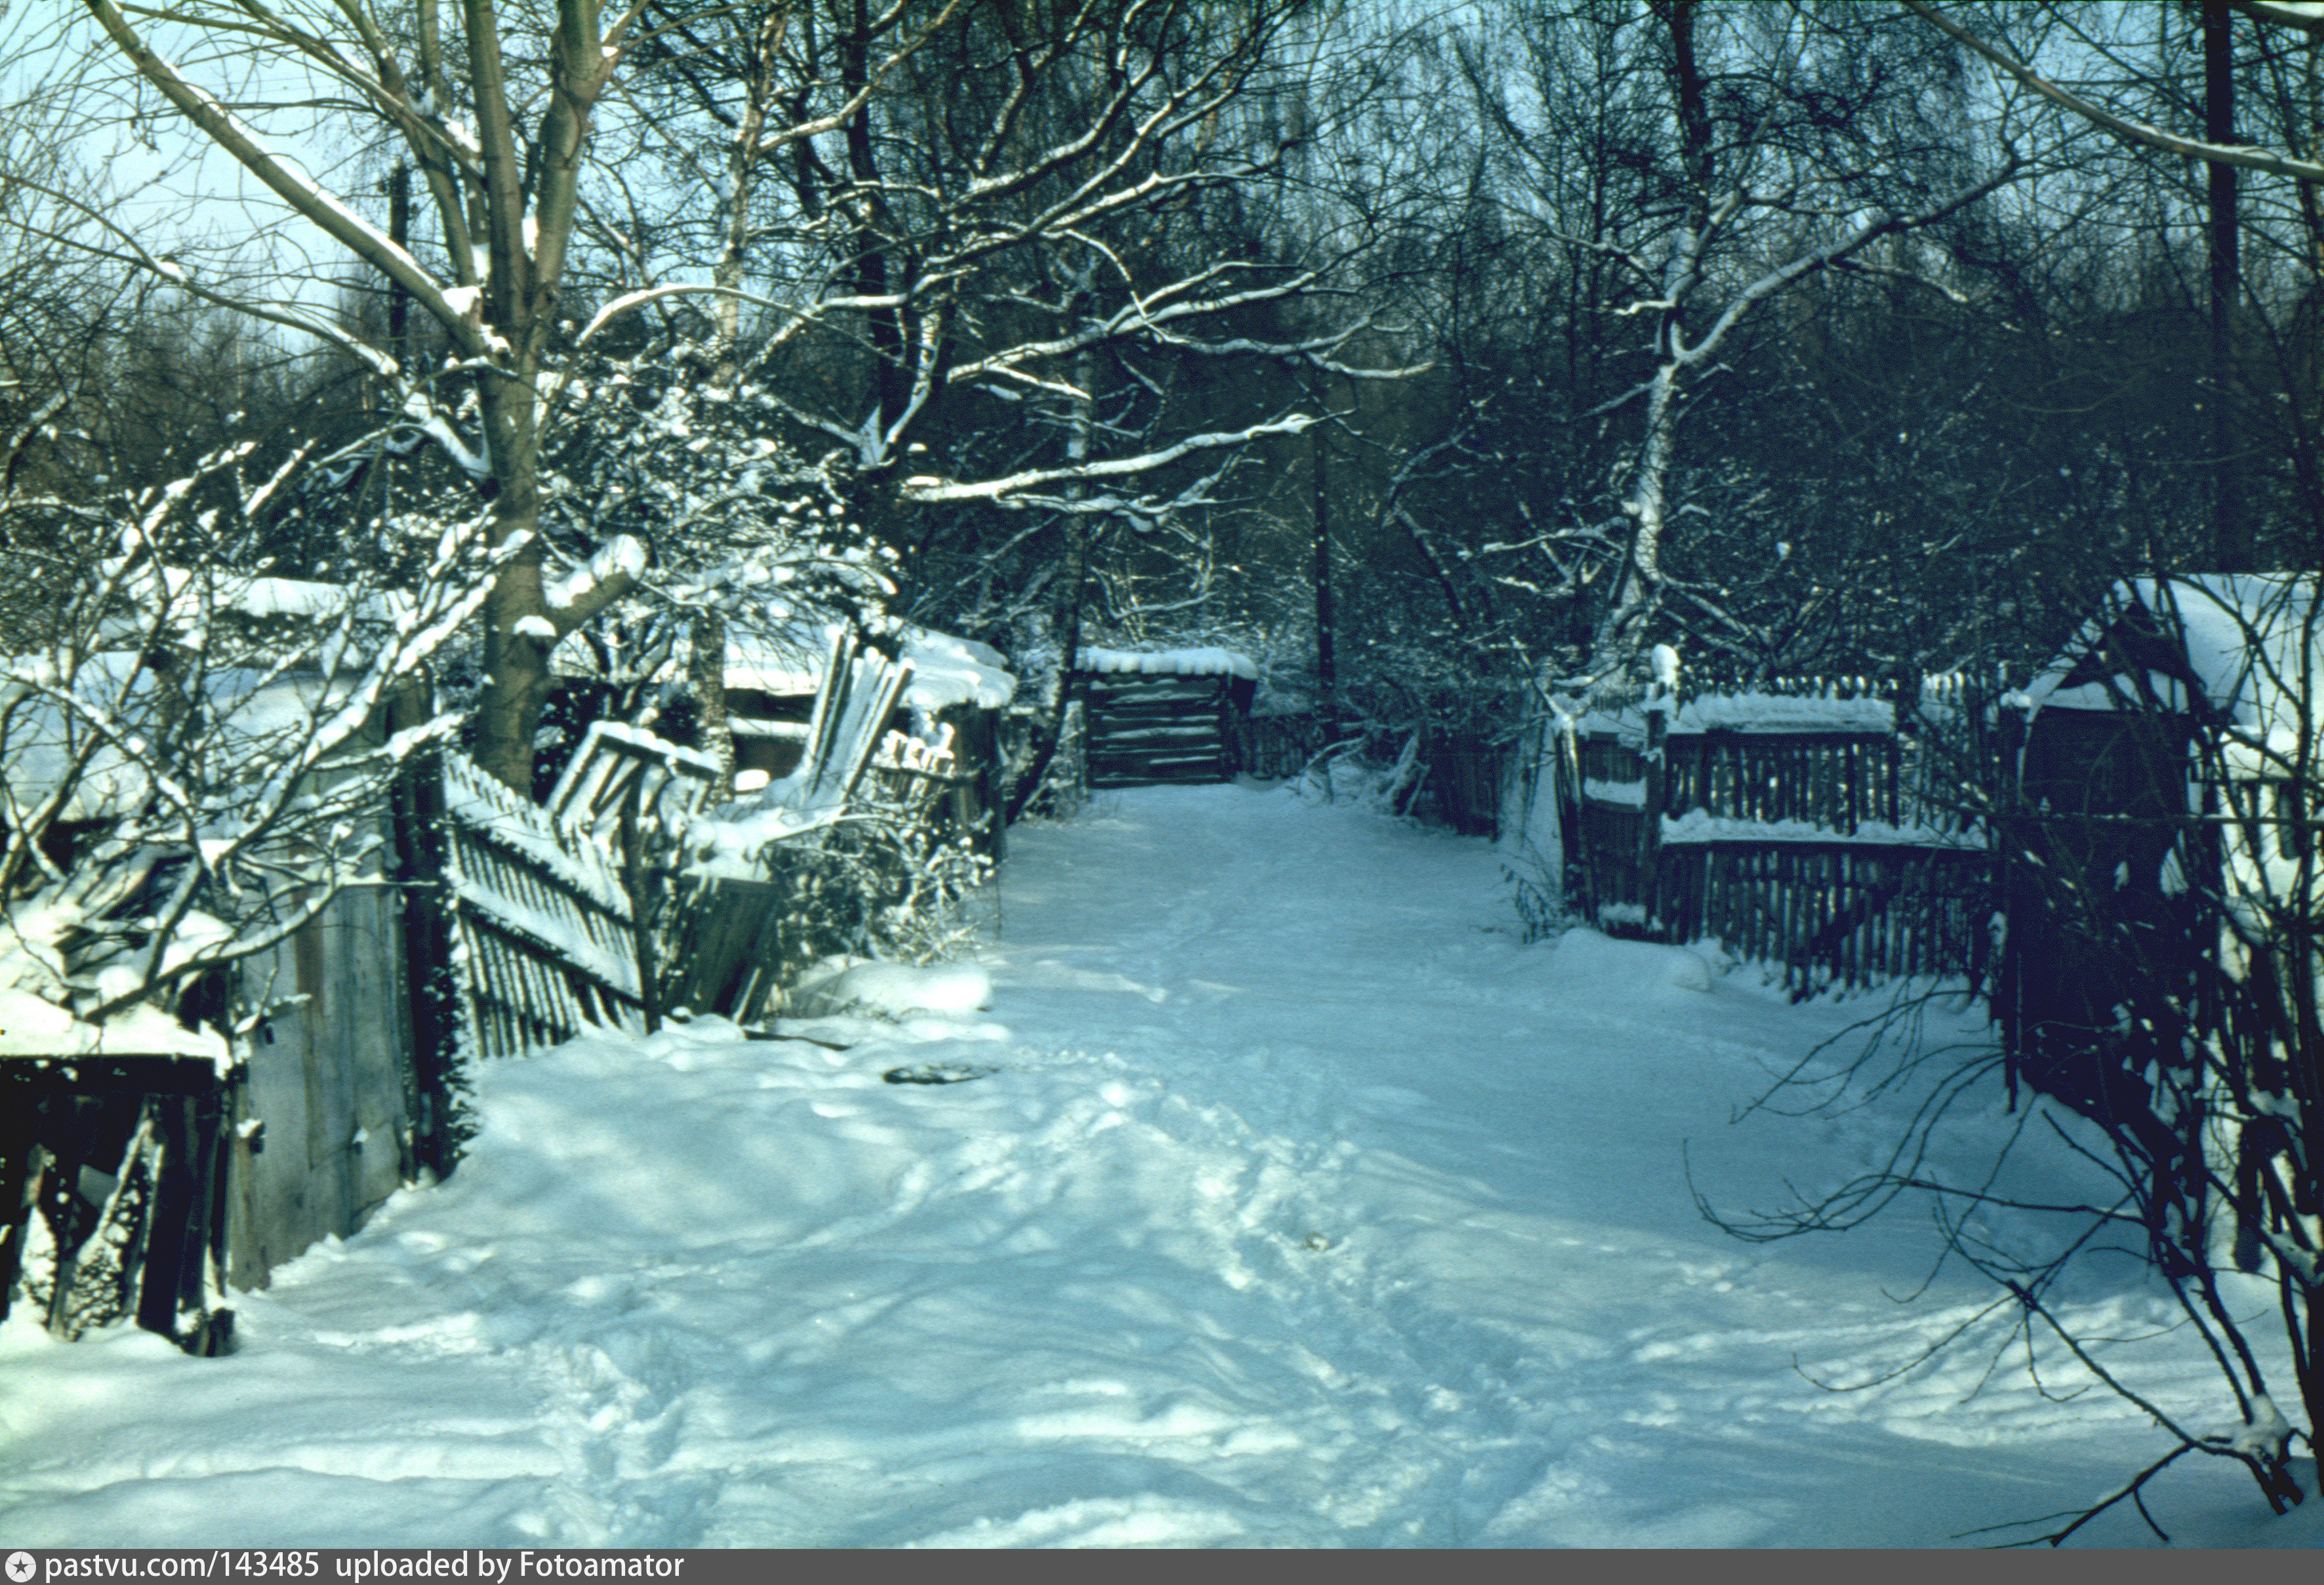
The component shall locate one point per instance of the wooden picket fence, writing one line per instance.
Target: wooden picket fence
(1829, 847)
(545, 937)
(1274, 747)
(1460, 774)
(579, 915)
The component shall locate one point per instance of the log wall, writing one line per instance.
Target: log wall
(1147, 728)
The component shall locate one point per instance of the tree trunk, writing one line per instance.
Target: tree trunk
(516, 612)
(1067, 623)
(2233, 550)
(1068, 627)
(1327, 620)
(706, 674)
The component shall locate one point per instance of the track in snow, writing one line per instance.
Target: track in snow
(1308, 1205)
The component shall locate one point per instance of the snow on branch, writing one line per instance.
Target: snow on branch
(193, 758)
(612, 572)
(999, 491)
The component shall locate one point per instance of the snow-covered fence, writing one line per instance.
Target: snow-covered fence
(622, 775)
(734, 940)
(952, 690)
(1451, 776)
(542, 923)
(148, 1181)
(1800, 829)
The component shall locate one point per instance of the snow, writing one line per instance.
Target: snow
(1749, 712)
(947, 671)
(255, 596)
(1631, 795)
(894, 991)
(2253, 642)
(1283, 1195)
(1701, 825)
(31, 1026)
(622, 559)
(1209, 661)
(1662, 661)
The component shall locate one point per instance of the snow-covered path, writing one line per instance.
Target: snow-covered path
(1307, 1206)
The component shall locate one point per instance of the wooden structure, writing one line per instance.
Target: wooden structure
(1465, 778)
(116, 1191)
(2159, 859)
(325, 1107)
(1163, 717)
(954, 695)
(544, 937)
(1790, 828)
(153, 1183)
(751, 908)
(1458, 778)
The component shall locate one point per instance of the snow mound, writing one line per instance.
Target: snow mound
(1611, 968)
(895, 991)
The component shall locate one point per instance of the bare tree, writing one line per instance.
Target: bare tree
(196, 756)
(1008, 258)
(504, 192)
(919, 202)
(1750, 171)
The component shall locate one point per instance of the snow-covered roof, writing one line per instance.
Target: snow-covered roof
(1770, 712)
(254, 595)
(251, 710)
(1206, 661)
(2252, 643)
(31, 1027)
(947, 671)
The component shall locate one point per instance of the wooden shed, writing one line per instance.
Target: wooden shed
(1162, 715)
(2167, 795)
(148, 1170)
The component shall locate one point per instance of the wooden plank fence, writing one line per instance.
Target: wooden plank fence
(149, 1184)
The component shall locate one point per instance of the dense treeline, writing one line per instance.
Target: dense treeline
(1108, 317)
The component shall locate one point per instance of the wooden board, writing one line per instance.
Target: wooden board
(322, 1117)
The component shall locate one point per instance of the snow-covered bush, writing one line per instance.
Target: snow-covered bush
(739, 537)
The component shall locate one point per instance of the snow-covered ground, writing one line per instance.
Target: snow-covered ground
(1303, 1204)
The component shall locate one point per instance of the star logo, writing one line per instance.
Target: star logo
(20, 1567)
